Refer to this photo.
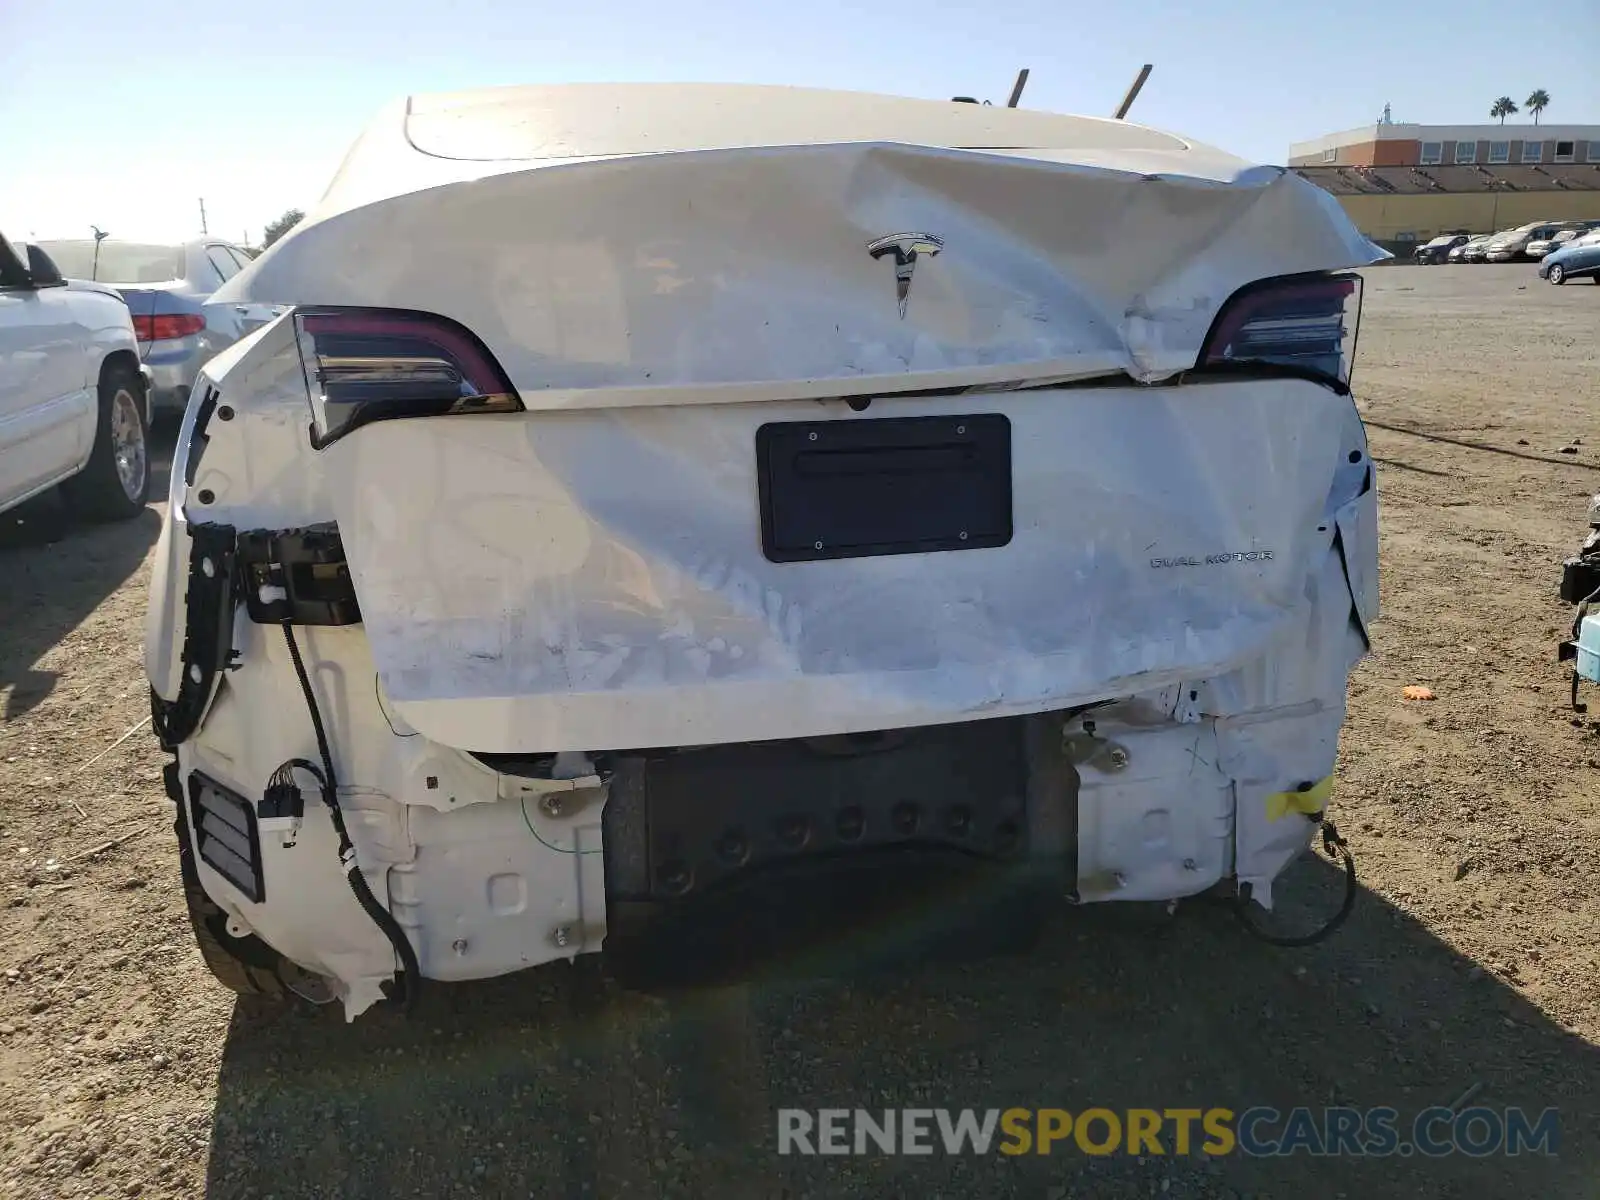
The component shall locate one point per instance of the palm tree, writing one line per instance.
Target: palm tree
(1503, 108)
(1537, 103)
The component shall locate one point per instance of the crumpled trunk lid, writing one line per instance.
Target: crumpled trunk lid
(761, 273)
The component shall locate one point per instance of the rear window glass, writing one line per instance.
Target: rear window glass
(117, 262)
(574, 120)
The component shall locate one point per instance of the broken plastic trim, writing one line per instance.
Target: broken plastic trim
(297, 575)
(199, 439)
(377, 364)
(207, 634)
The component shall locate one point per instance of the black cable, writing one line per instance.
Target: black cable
(285, 772)
(408, 981)
(1335, 846)
(377, 694)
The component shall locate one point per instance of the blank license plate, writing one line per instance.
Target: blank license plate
(857, 489)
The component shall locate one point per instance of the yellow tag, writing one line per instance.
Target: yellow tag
(1307, 803)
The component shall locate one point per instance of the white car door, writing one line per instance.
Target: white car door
(47, 398)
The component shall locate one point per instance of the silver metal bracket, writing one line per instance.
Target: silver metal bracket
(1085, 749)
(556, 798)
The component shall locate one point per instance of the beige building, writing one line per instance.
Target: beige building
(1384, 145)
(1407, 183)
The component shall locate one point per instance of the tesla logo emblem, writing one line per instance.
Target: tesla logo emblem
(905, 247)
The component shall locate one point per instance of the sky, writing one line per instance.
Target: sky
(126, 115)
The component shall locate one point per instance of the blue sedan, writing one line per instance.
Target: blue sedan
(1580, 258)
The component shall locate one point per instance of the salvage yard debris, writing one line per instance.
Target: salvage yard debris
(103, 846)
(131, 730)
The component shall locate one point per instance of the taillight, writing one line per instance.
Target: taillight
(163, 326)
(1306, 322)
(365, 365)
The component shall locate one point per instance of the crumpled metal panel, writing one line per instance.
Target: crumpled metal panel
(746, 274)
(595, 580)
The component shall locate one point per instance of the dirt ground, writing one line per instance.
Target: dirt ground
(1473, 958)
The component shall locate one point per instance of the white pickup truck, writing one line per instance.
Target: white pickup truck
(74, 404)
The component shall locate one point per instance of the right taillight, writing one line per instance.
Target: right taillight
(1304, 322)
(164, 326)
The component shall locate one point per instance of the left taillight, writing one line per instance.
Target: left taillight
(167, 325)
(1305, 322)
(365, 365)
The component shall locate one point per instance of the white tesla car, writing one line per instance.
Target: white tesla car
(734, 528)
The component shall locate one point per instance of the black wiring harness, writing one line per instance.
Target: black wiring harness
(1336, 847)
(408, 980)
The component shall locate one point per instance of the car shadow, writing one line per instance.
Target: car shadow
(57, 570)
(554, 1083)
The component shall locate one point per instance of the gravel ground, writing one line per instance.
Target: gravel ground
(1471, 960)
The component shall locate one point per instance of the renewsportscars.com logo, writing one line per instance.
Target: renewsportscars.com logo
(1255, 1132)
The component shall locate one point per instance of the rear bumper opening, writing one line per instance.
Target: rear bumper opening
(836, 856)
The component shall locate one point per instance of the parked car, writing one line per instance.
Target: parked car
(74, 406)
(1461, 252)
(1478, 251)
(1539, 247)
(706, 573)
(168, 287)
(1512, 245)
(1579, 258)
(1437, 251)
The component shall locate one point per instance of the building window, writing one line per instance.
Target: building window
(1432, 153)
(1466, 151)
(1532, 151)
(1499, 152)
(1564, 151)
(1331, 154)
(1594, 151)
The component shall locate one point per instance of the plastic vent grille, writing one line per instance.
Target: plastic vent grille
(226, 836)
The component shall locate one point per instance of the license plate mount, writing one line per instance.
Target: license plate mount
(898, 485)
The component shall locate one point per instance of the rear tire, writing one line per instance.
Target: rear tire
(250, 970)
(1558, 276)
(115, 483)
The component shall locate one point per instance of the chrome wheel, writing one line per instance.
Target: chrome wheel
(1557, 274)
(127, 443)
